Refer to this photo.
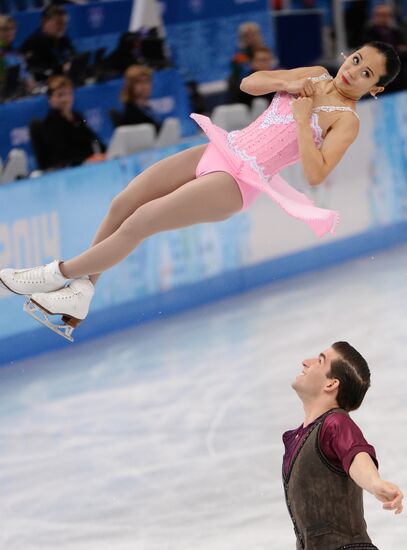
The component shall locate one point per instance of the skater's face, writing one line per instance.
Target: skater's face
(360, 72)
(62, 99)
(313, 381)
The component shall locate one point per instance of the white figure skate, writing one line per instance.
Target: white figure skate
(71, 303)
(44, 278)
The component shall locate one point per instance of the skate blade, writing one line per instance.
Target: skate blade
(42, 316)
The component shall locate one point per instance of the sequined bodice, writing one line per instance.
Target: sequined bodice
(270, 142)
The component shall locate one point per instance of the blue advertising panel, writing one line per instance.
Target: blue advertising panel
(307, 28)
(183, 11)
(202, 34)
(56, 216)
(50, 217)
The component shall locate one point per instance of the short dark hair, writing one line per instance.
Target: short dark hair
(393, 63)
(56, 82)
(353, 373)
(52, 10)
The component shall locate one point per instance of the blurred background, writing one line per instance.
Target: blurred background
(160, 428)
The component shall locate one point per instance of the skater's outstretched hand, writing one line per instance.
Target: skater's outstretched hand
(364, 472)
(390, 494)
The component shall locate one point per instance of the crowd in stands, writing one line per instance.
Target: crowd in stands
(47, 62)
(49, 51)
(63, 138)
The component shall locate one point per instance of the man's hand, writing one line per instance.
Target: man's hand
(390, 494)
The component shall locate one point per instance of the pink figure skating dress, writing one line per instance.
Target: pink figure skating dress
(255, 155)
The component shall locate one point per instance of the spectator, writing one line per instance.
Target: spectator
(135, 96)
(136, 48)
(261, 60)
(127, 53)
(250, 38)
(383, 28)
(65, 138)
(153, 49)
(49, 50)
(10, 57)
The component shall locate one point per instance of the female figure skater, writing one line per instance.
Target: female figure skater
(312, 118)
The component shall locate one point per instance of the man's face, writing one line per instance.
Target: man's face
(383, 16)
(252, 37)
(56, 26)
(142, 88)
(7, 33)
(62, 99)
(313, 378)
(262, 61)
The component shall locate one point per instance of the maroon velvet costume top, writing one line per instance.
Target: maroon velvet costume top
(340, 441)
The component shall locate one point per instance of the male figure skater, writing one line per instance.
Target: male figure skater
(327, 461)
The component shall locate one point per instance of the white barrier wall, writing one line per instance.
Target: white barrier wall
(55, 216)
(368, 187)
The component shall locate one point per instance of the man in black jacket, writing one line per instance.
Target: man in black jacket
(64, 138)
(49, 50)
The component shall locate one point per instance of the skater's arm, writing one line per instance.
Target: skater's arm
(318, 163)
(364, 473)
(294, 81)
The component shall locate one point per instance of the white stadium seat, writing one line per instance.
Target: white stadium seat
(170, 132)
(231, 117)
(15, 167)
(259, 105)
(130, 139)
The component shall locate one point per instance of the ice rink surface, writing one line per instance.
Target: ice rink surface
(168, 436)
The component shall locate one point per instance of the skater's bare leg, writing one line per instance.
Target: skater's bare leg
(214, 197)
(158, 180)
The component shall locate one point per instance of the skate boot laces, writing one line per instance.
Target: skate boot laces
(67, 293)
(34, 275)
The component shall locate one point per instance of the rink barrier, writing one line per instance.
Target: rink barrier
(177, 270)
(117, 318)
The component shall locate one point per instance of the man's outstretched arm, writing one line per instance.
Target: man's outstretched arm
(363, 471)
